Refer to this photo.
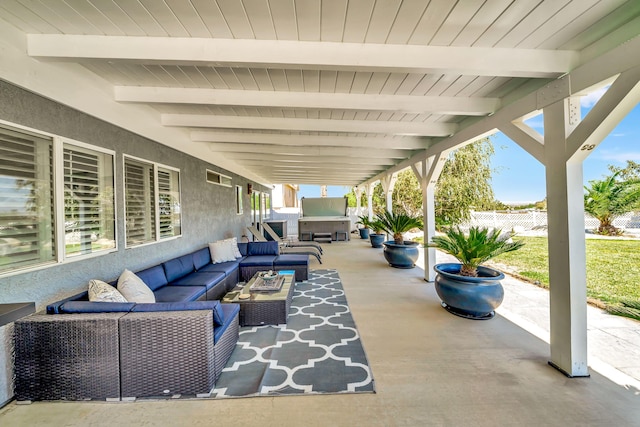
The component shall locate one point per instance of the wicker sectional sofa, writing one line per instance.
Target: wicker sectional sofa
(178, 345)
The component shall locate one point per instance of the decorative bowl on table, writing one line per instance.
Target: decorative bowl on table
(269, 276)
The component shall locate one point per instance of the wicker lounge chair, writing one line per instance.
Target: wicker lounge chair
(289, 244)
(286, 249)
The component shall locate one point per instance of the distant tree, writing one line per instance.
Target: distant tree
(465, 183)
(541, 205)
(352, 201)
(407, 195)
(607, 198)
(631, 172)
(378, 199)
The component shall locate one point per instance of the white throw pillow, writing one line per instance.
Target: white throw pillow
(221, 251)
(100, 291)
(134, 289)
(234, 246)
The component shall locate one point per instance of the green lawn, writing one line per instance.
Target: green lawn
(613, 266)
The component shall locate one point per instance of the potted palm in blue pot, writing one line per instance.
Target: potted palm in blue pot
(468, 289)
(398, 252)
(366, 225)
(377, 235)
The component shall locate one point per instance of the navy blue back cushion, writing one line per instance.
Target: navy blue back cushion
(153, 277)
(201, 258)
(54, 308)
(178, 267)
(218, 314)
(263, 248)
(242, 247)
(96, 307)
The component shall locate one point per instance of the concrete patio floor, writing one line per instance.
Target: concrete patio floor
(430, 367)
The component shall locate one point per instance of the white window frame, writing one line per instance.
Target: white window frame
(58, 147)
(222, 179)
(57, 190)
(155, 166)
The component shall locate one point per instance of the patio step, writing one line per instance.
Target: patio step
(322, 237)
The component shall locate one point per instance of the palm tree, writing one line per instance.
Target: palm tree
(605, 199)
(479, 246)
(397, 224)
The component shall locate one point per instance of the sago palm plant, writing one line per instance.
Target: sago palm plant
(479, 246)
(398, 224)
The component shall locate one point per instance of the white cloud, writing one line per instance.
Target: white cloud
(590, 100)
(620, 157)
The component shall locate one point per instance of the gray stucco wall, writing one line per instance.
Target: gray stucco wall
(208, 210)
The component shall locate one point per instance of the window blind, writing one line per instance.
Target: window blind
(88, 201)
(140, 202)
(168, 203)
(26, 200)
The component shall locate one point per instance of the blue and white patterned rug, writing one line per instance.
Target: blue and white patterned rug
(317, 351)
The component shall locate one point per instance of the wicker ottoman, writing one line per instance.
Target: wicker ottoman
(67, 357)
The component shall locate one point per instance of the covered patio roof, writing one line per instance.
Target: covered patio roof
(334, 92)
(349, 92)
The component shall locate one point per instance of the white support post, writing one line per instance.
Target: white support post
(427, 173)
(358, 192)
(388, 182)
(368, 189)
(567, 141)
(567, 253)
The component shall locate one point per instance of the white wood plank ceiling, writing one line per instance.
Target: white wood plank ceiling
(306, 91)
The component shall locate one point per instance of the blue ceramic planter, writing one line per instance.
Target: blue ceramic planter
(469, 297)
(364, 233)
(376, 240)
(401, 256)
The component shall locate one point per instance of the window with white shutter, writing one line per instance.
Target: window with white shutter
(139, 184)
(169, 202)
(150, 218)
(88, 201)
(26, 200)
(32, 231)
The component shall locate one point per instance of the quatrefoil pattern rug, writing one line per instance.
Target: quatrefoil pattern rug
(317, 351)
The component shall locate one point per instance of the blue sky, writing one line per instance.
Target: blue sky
(518, 177)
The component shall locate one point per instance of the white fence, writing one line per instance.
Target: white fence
(533, 220)
(522, 220)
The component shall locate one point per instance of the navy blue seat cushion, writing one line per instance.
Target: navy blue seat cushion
(229, 310)
(179, 293)
(54, 307)
(291, 259)
(263, 248)
(227, 267)
(178, 267)
(201, 258)
(258, 260)
(243, 247)
(95, 307)
(207, 279)
(218, 309)
(153, 277)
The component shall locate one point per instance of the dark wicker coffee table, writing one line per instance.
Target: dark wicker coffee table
(264, 307)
